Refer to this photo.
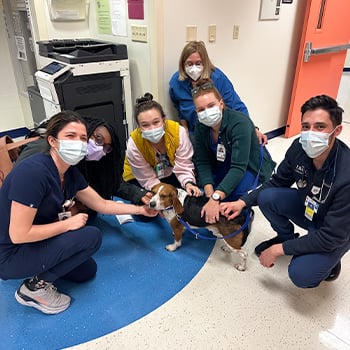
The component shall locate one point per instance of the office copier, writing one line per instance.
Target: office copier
(90, 77)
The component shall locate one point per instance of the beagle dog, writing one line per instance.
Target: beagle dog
(174, 203)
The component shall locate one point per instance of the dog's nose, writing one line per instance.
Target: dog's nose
(152, 204)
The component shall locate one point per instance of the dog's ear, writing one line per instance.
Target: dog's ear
(176, 203)
(155, 188)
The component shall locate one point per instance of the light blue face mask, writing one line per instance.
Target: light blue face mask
(72, 151)
(314, 143)
(210, 116)
(153, 135)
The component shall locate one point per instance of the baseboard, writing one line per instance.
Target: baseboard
(274, 133)
(24, 131)
(15, 133)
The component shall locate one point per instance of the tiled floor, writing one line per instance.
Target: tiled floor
(222, 308)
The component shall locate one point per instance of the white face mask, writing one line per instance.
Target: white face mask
(314, 143)
(194, 71)
(153, 135)
(211, 116)
(72, 151)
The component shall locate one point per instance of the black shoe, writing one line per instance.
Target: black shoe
(334, 273)
(267, 244)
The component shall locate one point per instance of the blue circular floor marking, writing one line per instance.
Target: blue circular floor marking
(135, 276)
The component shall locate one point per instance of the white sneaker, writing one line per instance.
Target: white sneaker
(45, 298)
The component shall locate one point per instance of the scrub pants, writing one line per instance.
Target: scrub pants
(67, 256)
(245, 185)
(281, 207)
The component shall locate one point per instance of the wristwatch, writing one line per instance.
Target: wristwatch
(215, 196)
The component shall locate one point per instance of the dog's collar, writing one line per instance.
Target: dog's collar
(169, 208)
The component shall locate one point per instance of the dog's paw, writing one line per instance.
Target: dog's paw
(172, 247)
(226, 249)
(240, 266)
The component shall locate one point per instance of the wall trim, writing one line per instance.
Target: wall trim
(15, 133)
(274, 133)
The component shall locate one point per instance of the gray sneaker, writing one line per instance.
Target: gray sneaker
(45, 298)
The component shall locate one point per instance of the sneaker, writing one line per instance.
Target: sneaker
(267, 244)
(334, 273)
(45, 297)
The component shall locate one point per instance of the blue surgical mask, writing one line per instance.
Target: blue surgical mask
(94, 152)
(210, 116)
(153, 135)
(314, 143)
(72, 151)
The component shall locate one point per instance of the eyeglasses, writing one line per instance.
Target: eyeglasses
(203, 87)
(100, 141)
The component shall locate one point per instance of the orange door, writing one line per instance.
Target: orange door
(326, 35)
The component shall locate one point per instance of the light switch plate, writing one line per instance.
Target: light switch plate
(212, 33)
(191, 33)
(139, 33)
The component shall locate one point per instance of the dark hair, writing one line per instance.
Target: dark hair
(57, 122)
(326, 103)
(60, 120)
(105, 175)
(145, 103)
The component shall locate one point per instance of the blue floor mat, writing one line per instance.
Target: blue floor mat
(135, 276)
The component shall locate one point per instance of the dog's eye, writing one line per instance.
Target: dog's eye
(164, 196)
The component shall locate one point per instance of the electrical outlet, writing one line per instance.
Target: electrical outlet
(235, 33)
(212, 33)
(139, 33)
(191, 33)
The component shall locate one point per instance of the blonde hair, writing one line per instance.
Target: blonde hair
(190, 48)
(203, 87)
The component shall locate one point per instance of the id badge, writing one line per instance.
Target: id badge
(160, 170)
(64, 215)
(311, 208)
(220, 152)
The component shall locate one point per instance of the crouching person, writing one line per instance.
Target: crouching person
(39, 236)
(318, 164)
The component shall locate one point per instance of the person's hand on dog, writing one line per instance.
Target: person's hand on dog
(211, 211)
(147, 211)
(146, 198)
(193, 190)
(270, 255)
(231, 209)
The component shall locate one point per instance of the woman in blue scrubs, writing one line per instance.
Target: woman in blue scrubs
(39, 235)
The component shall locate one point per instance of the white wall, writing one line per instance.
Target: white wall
(260, 63)
(11, 115)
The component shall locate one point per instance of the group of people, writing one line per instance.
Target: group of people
(78, 167)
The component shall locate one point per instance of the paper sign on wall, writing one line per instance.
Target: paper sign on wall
(136, 9)
(103, 17)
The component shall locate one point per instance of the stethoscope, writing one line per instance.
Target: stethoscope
(325, 189)
(324, 184)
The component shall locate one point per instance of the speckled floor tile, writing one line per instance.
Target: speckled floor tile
(222, 308)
